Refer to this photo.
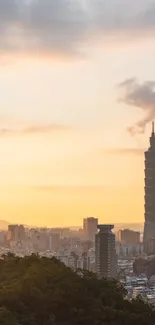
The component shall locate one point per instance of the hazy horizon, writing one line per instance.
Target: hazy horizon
(117, 226)
(76, 105)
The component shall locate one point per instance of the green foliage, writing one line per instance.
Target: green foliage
(7, 318)
(42, 291)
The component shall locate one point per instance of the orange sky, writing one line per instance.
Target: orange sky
(54, 179)
(64, 146)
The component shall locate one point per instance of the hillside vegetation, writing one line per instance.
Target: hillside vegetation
(42, 291)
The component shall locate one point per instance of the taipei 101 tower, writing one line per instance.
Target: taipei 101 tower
(149, 225)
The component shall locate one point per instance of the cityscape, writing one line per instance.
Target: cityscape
(125, 254)
(77, 162)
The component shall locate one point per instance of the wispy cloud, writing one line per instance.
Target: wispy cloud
(141, 96)
(125, 151)
(53, 188)
(33, 129)
(63, 25)
(45, 128)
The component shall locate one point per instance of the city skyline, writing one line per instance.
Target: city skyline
(75, 111)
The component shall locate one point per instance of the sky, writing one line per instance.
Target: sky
(77, 81)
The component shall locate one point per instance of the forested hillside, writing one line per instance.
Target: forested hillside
(42, 291)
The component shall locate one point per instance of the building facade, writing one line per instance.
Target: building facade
(105, 252)
(54, 242)
(149, 225)
(90, 228)
(16, 233)
(128, 237)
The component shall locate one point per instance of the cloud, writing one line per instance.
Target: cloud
(42, 25)
(64, 26)
(52, 188)
(124, 15)
(45, 128)
(33, 129)
(125, 151)
(141, 96)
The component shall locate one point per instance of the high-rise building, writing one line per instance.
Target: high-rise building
(151, 246)
(90, 228)
(73, 260)
(128, 237)
(16, 233)
(85, 261)
(149, 226)
(105, 252)
(54, 242)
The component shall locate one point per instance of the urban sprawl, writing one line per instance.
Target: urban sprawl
(125, 255)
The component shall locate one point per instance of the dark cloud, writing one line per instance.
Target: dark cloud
(141, 96)
(33, 129)
(64, 25)
(42, 25)
(124, 15)
(148, 16)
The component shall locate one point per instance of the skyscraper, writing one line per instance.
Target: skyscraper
(90, 227)
(105, 252)
(149, 226)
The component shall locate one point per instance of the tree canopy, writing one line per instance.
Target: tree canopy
(41, 291)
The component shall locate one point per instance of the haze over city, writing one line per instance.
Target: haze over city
(76, 106)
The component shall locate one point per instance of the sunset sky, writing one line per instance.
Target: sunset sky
(77, 80)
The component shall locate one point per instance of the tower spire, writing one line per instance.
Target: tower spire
(153, 128)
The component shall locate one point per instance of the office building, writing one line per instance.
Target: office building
(64, 232)
(123, 250)
(73, 260)
(128, 237)
(105, 252)
(90, 228)
(54, 242)
(16, 233)
(149, 225)
(85, 262)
